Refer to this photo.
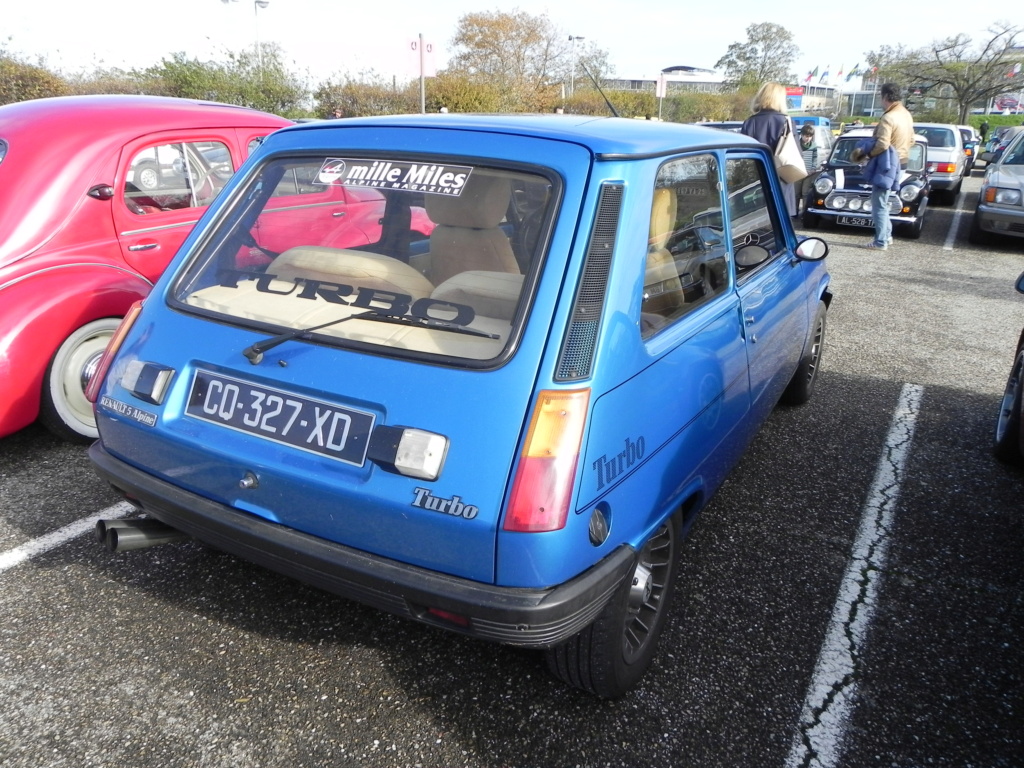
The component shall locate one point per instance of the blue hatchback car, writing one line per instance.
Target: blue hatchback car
(502, 427)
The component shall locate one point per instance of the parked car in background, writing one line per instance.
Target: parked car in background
(998, 143)
(841, 194)
(1000, 209)
(725, 125)
(972, 145)
(823, 137)
(503, 431)
(1008, 444)
(947, 161)
(96, 195)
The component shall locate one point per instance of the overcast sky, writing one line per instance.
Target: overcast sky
(327, 38)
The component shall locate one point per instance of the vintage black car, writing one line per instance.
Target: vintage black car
(841, 194)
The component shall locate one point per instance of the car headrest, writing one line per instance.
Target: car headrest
(482, 204)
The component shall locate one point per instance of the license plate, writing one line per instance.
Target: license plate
(857, 221)
(311, 425)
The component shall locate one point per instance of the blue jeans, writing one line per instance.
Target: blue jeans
(880, 214)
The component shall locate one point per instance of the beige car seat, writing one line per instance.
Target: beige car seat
(467, 236)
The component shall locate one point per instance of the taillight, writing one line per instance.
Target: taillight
(547, 467)
(946, 167)
(92, 391)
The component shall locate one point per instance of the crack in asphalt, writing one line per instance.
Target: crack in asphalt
(832, 691)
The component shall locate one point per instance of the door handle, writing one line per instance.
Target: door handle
(338, 214)
(143, 247)
(750, 319)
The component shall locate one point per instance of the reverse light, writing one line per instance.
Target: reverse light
(92, 391)
(547, 467)
(408, 451)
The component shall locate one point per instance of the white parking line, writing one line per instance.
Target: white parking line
(28, 550)
(830, 696)
(955, 226)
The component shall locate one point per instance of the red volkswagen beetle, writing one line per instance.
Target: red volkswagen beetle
(96, 195)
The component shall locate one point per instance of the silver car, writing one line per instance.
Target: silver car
(947, 162)
(1000, 208)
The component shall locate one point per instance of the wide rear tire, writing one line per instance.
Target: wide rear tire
(610, 656)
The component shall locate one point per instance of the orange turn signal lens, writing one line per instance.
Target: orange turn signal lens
(547, 467)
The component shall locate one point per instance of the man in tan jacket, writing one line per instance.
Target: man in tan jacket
(896, 126)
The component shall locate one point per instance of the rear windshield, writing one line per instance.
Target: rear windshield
(424, 258)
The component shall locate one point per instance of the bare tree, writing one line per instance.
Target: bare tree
(955, 70)
(522, 56)
(766, 56)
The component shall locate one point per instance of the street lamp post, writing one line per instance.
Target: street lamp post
(256, 5)
(572, 69)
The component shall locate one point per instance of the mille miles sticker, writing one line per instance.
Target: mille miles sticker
(387, 174)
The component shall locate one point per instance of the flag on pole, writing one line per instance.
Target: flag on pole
(839, 74)
(809, 76)
(853, 72)
(824, 75)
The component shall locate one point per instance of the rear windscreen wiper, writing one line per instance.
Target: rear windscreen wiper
(254, 352)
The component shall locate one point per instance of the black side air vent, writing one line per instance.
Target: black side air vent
(577, 356)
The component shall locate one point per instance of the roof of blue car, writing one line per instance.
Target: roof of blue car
(606, 136)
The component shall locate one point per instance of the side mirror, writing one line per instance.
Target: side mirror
(812, 249)
(986, 157)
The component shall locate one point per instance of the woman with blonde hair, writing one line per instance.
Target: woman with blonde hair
(767, 125)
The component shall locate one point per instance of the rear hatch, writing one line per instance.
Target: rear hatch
(369, 393)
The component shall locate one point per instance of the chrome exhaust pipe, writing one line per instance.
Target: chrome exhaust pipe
(136, 533)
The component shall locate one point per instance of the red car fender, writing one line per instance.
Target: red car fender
(38, 312)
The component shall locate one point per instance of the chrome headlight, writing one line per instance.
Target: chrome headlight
(1001, 195)
(855, 204)
(909, 193)
(824, 184)
(837, 202)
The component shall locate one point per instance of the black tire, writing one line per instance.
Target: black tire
(610, 656)
(977, 235)
(63, 408)
(801, 386)
(1008, 442)
(913, 231)
(810, 220)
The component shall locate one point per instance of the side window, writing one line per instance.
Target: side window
(170, 177)
(687, 255)
(753, 219)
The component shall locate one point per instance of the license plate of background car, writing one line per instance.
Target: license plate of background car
(857, 221)
(311, 425)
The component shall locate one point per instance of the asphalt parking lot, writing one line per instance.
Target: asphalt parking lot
(874, 517)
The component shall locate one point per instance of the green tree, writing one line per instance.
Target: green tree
(366, 96)
(20, 80)
(262, 82)
(766, 56)
(955, 70)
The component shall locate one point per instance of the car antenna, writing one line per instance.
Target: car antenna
(594, 81)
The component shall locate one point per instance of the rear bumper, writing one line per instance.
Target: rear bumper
(536, 618)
